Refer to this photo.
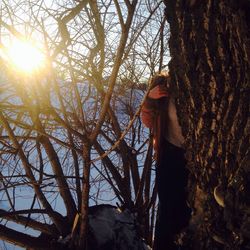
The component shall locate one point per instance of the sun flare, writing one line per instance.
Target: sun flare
(25, 56)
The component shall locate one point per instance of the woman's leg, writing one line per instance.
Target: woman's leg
(174, 213)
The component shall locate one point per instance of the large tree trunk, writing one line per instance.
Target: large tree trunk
(210, 65)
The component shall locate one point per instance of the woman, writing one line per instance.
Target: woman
(159, 114)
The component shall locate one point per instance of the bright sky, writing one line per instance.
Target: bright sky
(23, 55)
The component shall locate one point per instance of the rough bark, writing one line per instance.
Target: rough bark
(210, 67)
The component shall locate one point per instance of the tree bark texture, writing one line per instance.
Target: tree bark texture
(210, 67)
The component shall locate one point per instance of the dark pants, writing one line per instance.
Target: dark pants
(173, 213)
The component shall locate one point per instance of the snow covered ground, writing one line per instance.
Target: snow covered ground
(110, 226)
(113, 229)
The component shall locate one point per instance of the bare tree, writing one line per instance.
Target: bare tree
(70, 132)
(209, 47)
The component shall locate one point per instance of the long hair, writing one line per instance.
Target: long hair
(161, 117)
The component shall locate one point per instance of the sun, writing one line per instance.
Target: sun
(25, 56)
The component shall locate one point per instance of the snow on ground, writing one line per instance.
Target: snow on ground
(113, 229)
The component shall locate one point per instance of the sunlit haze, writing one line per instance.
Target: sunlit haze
(24, 56)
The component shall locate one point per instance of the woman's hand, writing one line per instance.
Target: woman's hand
(158, 92)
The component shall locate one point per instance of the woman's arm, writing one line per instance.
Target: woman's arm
(147, 116)
(148, 111)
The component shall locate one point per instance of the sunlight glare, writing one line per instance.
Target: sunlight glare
(25, 56)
